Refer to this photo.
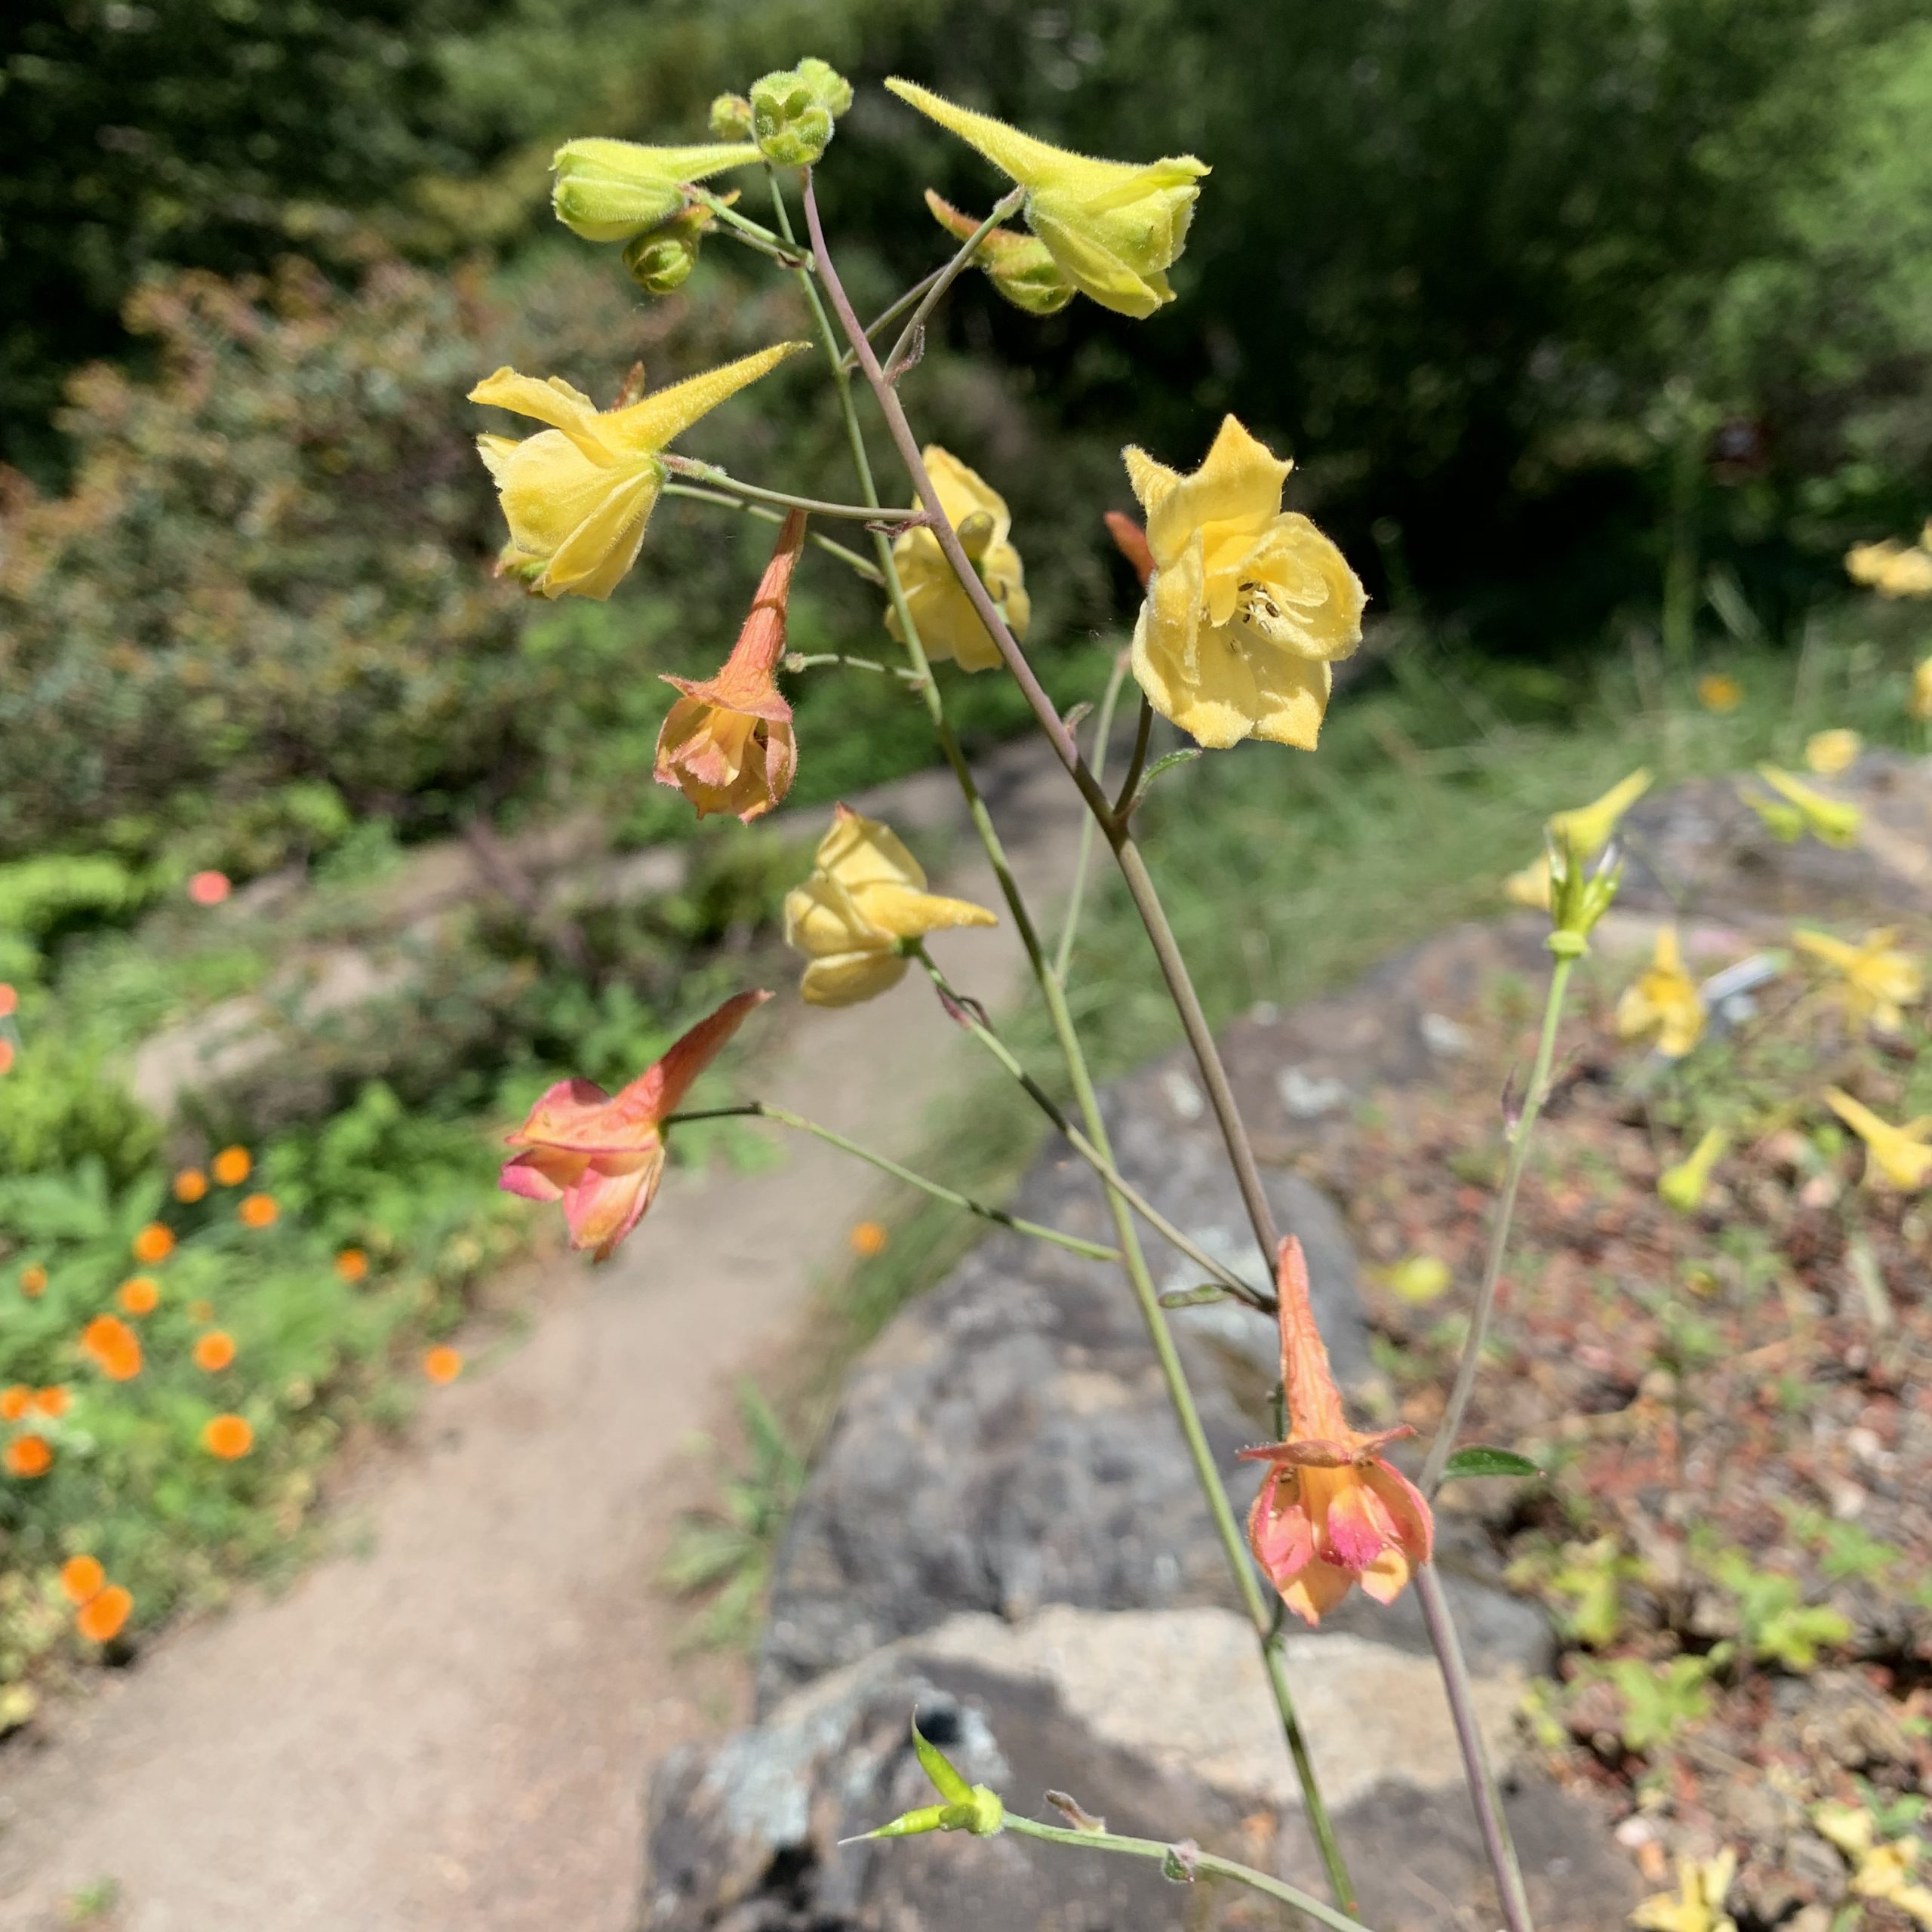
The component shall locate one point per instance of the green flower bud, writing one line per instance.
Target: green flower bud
(731, 118)
(792, 110)
(1021, 266)
(1578, 898)
(610, 191)
(662, 258)
(975, 1808)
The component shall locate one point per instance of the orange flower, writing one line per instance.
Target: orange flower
(352, 1264)
(231, 1166)
(442, 1365)
(154, 1243)
(1331, 1512)
(1131, 541)
(868, 1238)
(115, 1348)
(101, 1619)
(229, 1437)
(727, 742)
(33, 1280)
(15, 1402)
(52, 1402)
(190, 1184)
(29, 1455)
(9, 1001)
(258, 1210)
(140, 1294)
(214, 1351)
(209, 888)
(199, 1310)
(603, 1158)
(6, 1056)
(83, 1579)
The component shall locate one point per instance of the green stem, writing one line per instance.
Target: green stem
(1143, 733)
(709, 472)
(895, 363)
(1102, 727)
(1208, 1863)
(765, 1110)
(796, 661)
(760, 237)
(850, 558)
(846, 360)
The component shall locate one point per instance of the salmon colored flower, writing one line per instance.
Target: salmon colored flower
(51, 1401)
(15, 1401)
(229, 1437)
(1896, 1157)
(603, 1157)
(352, 1264)
(190, 1184)
(214, 1351)
(942, 614)
(82, 1579)
(231, 1166)
(9, 1001)
(257, 1210)
(1249, 605)
(1021, 267)
(1131, 541)
(140, 1294)
(577, 495)
(1876, 981)
(1718, 693)
(209, 888)
(156, 1242)
(33, 1280)
(6, 1056)
(1332, 1511)
(865, 899)
(1831, 753)
(442, 1364)
(1665, 1001)
(115, 1348)
(28, 1456)
(727, 742)
(868, 1238)
(101, 1619)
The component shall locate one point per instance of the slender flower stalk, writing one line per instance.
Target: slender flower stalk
(896, 363)
(709, 472)
(733, 500)
(1104, 726)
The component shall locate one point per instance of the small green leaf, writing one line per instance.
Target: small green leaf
(1154, 771)
(946, 1781)
(1480, 1460)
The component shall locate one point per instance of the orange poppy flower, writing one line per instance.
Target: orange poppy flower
(115, 1348)
(29, 1455)
(140, 1294)
(442, 1365)
(214, 1351)
(868, 1238)
(258, 1210)
(231, 1166)
(33, 1280)
(15, 1402)
(229, 1437)
(83, 1579)
(154, 1243)
(190, 1184)
(6, 1056)
(52, 1402)
(100, 1620)
(352, 1264)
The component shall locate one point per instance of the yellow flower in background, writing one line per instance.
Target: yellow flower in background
(1248, 605)
(1417, 1278)
(1877, 981)
(1114, 228)
(1829, 820)
(1588, 829)
(577, 495)
(1897, 1156)
(1697, 1905)
(1894, 569)
(1829, 753)
(1682, 1187)
(866, 894)
(1717, 693)
(1878, 1871)
(1920, 703)
(1664, 1001)
(1021, 267)
(947, 625)
(609, 191)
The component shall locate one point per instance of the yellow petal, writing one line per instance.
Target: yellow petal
(553, 402)
(1234, 496)
(903, 912)
(860, 851)
(845, 979)
(648, 425)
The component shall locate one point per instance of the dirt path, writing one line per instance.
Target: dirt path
(450, 1723)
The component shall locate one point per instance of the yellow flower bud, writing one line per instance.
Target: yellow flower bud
(662, 258)
(731, 118)
(1683, 1186)
(1114, 228)
(947, 625)
(609, 191)
(1831, 821)
(1021, 267)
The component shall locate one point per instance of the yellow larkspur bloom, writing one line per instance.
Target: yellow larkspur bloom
(1897, 1156)
(1829, 820)
(1682, 1187)
(1920, 704)
(1664, 1001)
(1114, 227)
(1588, 829)
(1829, 753)
(1248, 605)
(577, 495)
(948, 626)
(1021, 267)
(866, 894)
(1697, 1905)
(1894, 569)
(1877, 981)
(609, 191)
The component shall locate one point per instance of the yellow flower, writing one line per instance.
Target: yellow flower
(1894, 569)
(1829, 820)
(1697, 1906)
(609, 191)
(948, 626)
(1021, 266)
(1248, 604)
(1664, 1001)
(1717, 693)
(1920, 704)
(577, 495)
(1878, 982)
(1588, 828)
(1897, 1156)
(1828, 753)
(1114, 228)
(867, 895)
(1682, 1187)
(1879, 1871)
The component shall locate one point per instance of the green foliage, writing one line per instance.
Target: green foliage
(1586, 1582)
(1774, 1620)
(1659, 1701)
(1846, 1553)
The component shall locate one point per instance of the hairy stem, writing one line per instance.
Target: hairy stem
(850, 558)
(896, 363)
(752, 493)
(1103, 725)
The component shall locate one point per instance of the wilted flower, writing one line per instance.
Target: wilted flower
(1113, 227)
(1717, 692)
(1331, 1511)
(1897, 1156)
(866, 897)
(1828, 753)
(1021, 267)
(1829, 820)
(577, 495)
(727, 742)
(1664, 1001)
(1248, 604)
(1877, 982)
(609, 191)
(947, 625)
(1682, 1187)
(602, 1156)
(1697, 1905)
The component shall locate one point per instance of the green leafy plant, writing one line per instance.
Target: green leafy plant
(1774, 1620)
